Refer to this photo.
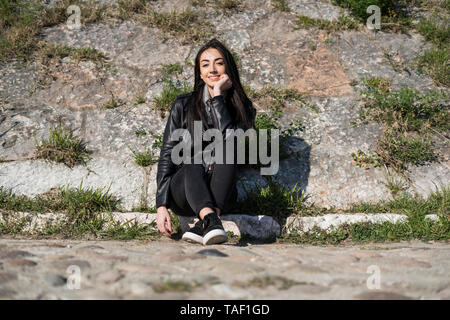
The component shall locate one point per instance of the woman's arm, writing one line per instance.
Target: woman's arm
(166, 168)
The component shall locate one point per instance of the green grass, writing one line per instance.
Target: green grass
(127, 8)
(21, 22)
(149, 156)
(280, 5)
(342, 23)
(438, 202)
(435, 61)
(62, 146)
(19, 26)
(398, 150)
(263, 282)
(409, 118)
(87, 213)
(140, 99)
(359, 7)
(364, 160)
(416, 227)
(280, 202)
(435, 31)
(266, 122)
(276, 97)
(157, 139)
(144, 209)
(187, 26)
(140, 132)
(61, 199)
(171, 69)
(366, 232)
(227, 5)
(130, 230)
(170, 92)
(407, 108)
(145, 158)
(277, 201)
(113, 103)
(393, 16)
(224, 5)
(51, 51)
(271, 120)
(175, 286)
(377, 83)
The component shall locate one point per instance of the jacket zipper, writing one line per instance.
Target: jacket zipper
(209, 103)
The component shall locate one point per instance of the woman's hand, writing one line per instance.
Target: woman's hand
(223, 84)
(163, 217)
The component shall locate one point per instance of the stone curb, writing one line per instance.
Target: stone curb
(258, 227)
(330, 222)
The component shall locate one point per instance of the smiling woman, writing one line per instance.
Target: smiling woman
(212, 69)
(203, 190)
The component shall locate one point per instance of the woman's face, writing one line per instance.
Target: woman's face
(212, 66)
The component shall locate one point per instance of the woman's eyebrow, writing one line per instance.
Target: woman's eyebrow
(208, 60)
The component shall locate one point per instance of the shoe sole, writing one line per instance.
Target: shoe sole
(192, 237)
(215, 236)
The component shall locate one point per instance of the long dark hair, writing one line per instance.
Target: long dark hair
(239, 105)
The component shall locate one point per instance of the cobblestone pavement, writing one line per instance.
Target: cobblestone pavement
(169, 269)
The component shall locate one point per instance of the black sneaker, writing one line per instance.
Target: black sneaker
(213, 231)
(194, 234)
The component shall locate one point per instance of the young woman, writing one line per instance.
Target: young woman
(203, 190)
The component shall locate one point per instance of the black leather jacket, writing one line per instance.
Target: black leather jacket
(217, 113)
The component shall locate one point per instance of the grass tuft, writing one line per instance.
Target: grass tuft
(280, 5)
(435, 31)
(275, 200)
(145, 158)
(435, 63)
(187, 26)
(168, 95)
(409, 118)
(342, 23)
(175, 286)
(407, 109)
(48, 52)
(62, 146)
(226, 6)
(21, 22)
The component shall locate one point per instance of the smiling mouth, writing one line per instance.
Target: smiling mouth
(214, 78)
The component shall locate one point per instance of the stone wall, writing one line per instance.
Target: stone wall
(271, 53)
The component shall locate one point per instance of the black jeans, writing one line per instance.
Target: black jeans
(192, 188)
